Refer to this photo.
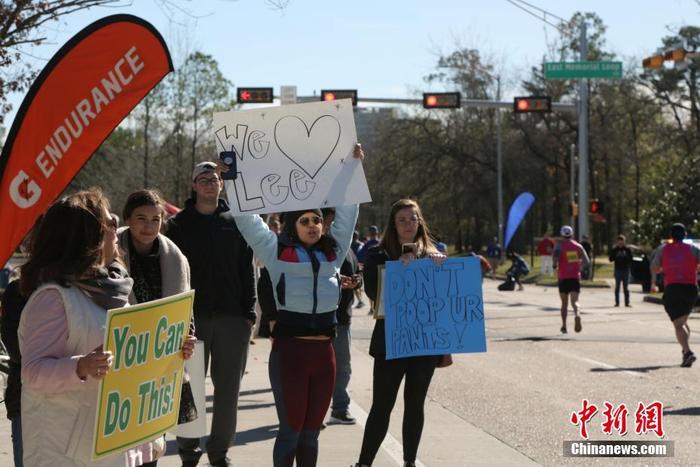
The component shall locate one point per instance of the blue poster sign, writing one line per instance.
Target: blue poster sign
(432, 309)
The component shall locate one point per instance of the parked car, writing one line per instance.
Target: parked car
(641, 274)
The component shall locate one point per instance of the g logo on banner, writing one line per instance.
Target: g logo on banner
(24, 191)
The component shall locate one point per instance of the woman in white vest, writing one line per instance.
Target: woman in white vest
(71, 280)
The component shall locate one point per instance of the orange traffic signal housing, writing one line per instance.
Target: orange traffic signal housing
(532, 104)
(654, 62)
(677, 55)
(335, 94)
(442, 100)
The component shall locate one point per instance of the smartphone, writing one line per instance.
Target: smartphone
(409, 248)
(229, 158)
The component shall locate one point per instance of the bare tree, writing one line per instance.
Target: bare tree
(21, 24)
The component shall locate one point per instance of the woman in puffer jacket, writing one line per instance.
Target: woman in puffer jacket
(304, 267)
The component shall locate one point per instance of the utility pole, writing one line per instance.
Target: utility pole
(499, 166)
(583, 142)
(572, 182)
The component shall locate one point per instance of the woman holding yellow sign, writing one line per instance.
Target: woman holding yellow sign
(159, 269)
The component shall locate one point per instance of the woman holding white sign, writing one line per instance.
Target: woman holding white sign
(405, 238)
(304, 267)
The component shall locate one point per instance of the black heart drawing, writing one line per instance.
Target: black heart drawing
(295, 139)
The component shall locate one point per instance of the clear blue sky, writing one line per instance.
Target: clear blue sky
(383, 48)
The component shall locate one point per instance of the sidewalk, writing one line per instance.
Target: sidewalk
(447, 439)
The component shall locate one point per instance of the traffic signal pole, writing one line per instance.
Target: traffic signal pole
(583, 142)
(499, 167)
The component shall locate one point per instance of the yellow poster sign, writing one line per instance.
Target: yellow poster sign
(139, 399)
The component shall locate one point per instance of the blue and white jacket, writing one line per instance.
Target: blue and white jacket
(306, 283)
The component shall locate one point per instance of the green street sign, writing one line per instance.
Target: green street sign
(574, 70)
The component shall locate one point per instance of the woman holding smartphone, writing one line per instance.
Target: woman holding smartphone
(406, 238)
(304, 267)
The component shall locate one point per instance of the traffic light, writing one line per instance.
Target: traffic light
(442, 100)
(254, 95)
(677, 55)
(654, 62)
(573, 209)
(532, 104)
(596, 207)
(335, 94)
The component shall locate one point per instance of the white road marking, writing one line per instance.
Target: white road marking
(637, 374)
(391, 445)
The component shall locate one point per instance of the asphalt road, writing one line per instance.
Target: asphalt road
(524, 389)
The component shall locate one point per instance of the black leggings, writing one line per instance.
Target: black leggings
(387, 379)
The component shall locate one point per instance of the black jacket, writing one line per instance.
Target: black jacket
(375, 257)
(622, 256)
(347, 296)
(266, 300)
(221, 262)
(12, 306)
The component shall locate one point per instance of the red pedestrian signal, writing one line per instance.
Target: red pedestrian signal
(596, 207)
(336, 94)
(532, 104)
(254, 95)
(442, 100)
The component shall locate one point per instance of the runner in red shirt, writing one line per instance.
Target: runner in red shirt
(679, 262)
(569, 257)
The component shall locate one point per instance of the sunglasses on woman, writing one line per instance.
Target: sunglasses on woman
(305, 221)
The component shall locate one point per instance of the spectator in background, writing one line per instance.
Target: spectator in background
(440, 245)
(545, 247)
(518, 268)
(371, 242)
(12, 304)
(355, 246)
(356, 243)
(351, 280)
(493, 254)
(275, 225)
(621, 255)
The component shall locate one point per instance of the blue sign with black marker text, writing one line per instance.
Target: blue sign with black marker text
(433, 309)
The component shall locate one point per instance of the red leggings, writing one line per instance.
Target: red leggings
(302, 376)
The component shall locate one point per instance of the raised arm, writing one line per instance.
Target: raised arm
(258, 236)
(343, 227)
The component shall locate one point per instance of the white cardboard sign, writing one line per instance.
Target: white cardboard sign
(292, 157)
